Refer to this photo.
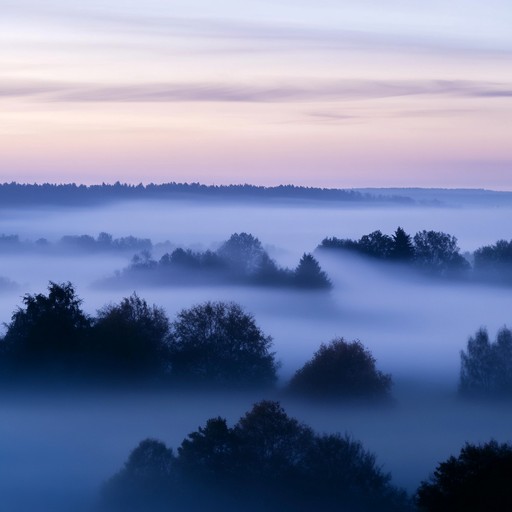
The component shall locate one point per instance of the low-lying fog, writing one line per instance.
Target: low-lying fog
(414, 326)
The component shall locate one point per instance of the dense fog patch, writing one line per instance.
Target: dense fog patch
(63, 447)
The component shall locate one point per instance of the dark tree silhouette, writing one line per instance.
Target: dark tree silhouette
(377, 245)
(244, 253)
(130, 340)
(148, 480)
(49, 332)
(403, 249)
(341, 370)
(486, 367)
(218, 343)
(266, 462)
(309, 274)
(438, 252)
(479, 480)
(494, 261)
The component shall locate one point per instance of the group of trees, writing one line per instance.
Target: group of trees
(432, 251)
(70, 194)
(214, 344)
(131, 340)
(267, 461)
(479, 479)
(104, 242)
(494, 262)
(240, 260)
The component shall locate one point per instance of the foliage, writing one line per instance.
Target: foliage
(341, 370)
(438, 252)
(479, 479)
(218, 343)
(494, 261)
(377, 245)
(240, 260)
(243, 252)
(486, 367)
(309, 274)
(49, 331)
(266, 462)
(403, 248)
(129, 340)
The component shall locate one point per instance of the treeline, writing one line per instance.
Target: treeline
(433, 252)
(214, 344)
(239, 260)
(211, 344)
(104, 242)
(70, 194)
(269, 461)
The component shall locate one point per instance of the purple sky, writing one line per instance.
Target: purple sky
(324, 93)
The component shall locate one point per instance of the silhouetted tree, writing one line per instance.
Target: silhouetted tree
(244, 253)
(309, 274)
(377, 245)
(478, 480)
(218, 343)
(49, 332)
(341, 370)
(148, 480)
(494, 261)
(403, 249)
(438, 252)
(130, 340)
(486, 368)
(267, 462)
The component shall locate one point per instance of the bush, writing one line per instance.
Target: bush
(218, 343)
(341, 370)
(478, 480)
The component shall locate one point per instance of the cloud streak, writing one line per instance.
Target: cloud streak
(341, 90)
(241, 35)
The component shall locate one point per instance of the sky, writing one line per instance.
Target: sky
(325, 93)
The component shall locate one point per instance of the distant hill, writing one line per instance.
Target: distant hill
(23, 195)
(71, 194)
(445, 196)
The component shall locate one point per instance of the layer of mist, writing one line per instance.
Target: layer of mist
(62, 446)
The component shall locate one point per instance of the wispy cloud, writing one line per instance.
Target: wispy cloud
(241, 35)
(342, 90)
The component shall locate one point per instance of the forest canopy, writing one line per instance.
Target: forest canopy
(267, 461)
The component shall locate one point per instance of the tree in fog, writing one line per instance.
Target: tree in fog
(479, 479)
(267, 461)
(148, 480)
(377, 245)
(403, 248)
(243, 252)
(48, 331)
(486, 367)
(494, 261)
(309, 274)
(130, 340)
(438, 252)
(218, 343)
(341, 370)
